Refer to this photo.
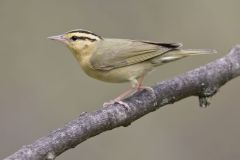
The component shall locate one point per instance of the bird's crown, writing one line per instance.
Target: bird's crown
(80, 34)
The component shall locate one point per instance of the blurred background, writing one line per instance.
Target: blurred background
(42, 86)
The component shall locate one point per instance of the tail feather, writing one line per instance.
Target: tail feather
(190, 52)
(173, 55)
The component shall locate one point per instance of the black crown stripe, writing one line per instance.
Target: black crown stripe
(84, 31)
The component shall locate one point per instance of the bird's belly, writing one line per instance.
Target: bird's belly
(119, 75)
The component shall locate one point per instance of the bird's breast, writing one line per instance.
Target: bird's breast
(117, 75)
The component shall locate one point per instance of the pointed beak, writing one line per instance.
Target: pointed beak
(59, 38)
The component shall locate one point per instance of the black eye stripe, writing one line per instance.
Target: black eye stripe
(86, 32)
(74, 38)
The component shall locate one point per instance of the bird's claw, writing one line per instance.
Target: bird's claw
(150, 89)
(124, 104)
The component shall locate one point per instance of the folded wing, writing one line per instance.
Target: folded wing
(115, 53)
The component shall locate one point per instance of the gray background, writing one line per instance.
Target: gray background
(42, 86)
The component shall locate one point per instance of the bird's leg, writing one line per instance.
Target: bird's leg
(136, 85)
(124, 94)
(140, 86)
(119, 98)
(140, 82)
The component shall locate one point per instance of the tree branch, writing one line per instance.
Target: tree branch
(203, 82)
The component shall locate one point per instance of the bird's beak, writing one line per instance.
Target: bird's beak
(59, 38)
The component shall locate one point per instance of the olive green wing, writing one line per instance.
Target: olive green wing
(115, 53)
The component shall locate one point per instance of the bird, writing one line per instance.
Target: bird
(121, 60)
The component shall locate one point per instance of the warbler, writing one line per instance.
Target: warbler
(121, 60)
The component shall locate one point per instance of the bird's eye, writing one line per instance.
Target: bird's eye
(74, 38)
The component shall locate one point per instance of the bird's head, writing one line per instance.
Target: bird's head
(78, 40)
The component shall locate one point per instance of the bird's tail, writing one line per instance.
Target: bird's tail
(176, 54)
(191, 52)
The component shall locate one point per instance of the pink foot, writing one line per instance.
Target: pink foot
(106, 104)
(150, 89)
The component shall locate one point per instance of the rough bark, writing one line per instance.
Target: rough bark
(202, 82)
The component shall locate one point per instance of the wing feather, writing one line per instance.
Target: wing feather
(115, 53)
